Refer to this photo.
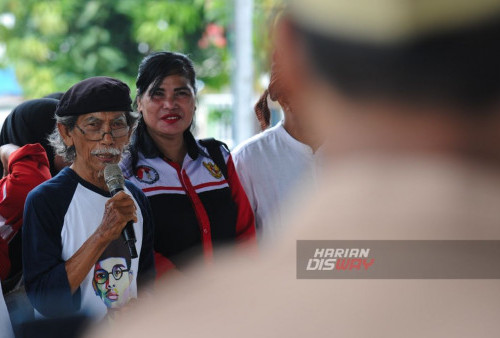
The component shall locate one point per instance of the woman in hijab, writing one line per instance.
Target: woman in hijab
(31, 122)
(27, 160)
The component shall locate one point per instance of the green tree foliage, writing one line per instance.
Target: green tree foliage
(54, 44)
(267, 12)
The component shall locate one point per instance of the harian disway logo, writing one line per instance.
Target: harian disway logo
(340, 259)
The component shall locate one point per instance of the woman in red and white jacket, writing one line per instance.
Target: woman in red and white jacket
(195, 194)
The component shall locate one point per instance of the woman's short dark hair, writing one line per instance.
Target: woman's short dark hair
(152, 70)
(156, 66)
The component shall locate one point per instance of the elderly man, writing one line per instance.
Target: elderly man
(70, 220)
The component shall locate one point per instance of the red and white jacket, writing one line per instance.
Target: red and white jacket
(196, 209)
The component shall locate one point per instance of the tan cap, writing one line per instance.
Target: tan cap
(389, 21)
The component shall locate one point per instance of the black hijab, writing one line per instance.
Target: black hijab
(31, 122)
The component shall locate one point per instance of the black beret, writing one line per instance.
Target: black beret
(95, 94)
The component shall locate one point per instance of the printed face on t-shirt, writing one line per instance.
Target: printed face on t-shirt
(112, 279)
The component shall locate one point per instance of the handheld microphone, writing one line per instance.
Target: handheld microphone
(115, 182)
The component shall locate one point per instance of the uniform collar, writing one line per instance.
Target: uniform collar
(292, 142)
(192, 146)
(150, 150)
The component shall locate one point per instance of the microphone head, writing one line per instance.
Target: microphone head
(114, 177)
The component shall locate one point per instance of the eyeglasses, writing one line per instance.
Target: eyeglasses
(93, 132)
(101, 276)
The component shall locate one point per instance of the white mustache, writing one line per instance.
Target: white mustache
(106, 151)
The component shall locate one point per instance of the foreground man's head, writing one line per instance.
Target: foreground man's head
(408, 92)
(368, 70)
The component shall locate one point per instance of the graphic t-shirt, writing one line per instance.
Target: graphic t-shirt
(60, 215)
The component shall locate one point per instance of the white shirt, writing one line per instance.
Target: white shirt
(270, 165)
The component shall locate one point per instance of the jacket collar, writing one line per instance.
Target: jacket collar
(150, 150)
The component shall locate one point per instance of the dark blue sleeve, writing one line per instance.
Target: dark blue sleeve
(45, 276)
(147, 271)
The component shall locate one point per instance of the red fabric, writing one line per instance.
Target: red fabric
(245, 226)
(201, 215)
(28, 167)
(162, 264)
(4, 260)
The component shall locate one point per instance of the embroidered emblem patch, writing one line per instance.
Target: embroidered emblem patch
(147, 174)
(213, 169)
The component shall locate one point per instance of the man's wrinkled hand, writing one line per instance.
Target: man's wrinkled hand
(119, 210)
